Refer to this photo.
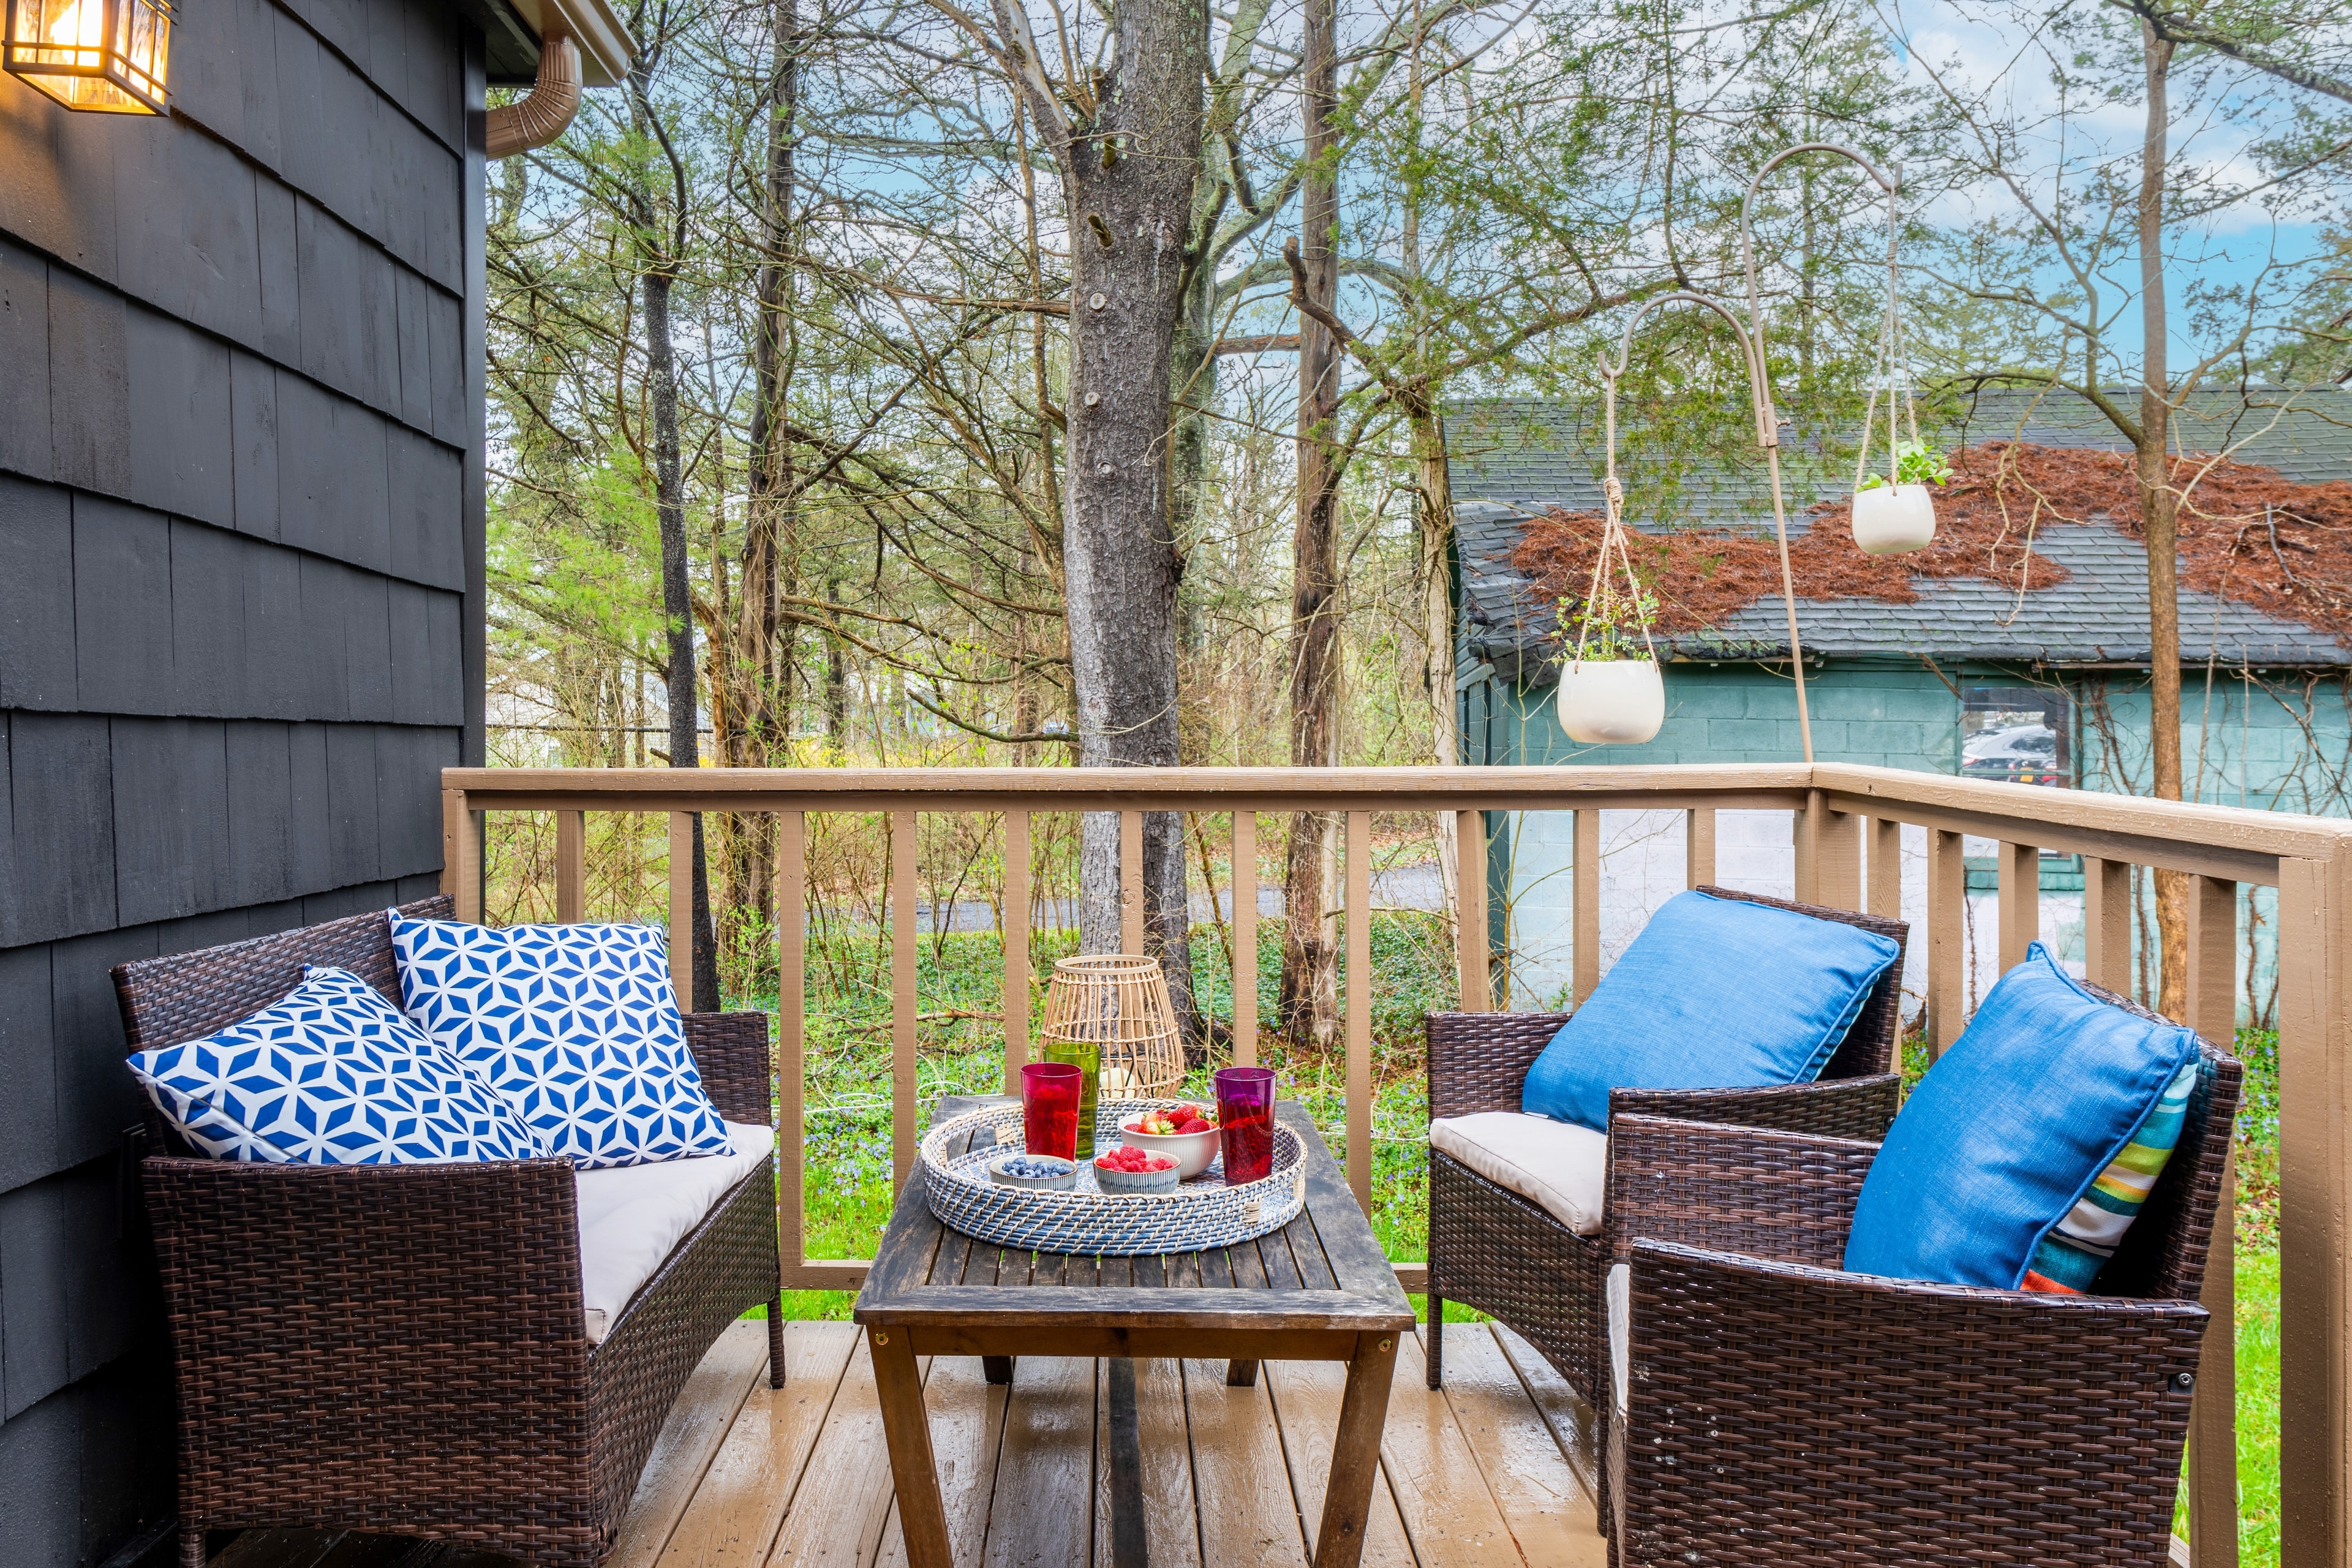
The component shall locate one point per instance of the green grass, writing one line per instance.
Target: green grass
(2258, 1395)
(2258, 1301)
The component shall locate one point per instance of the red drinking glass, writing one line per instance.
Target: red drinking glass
(1049, 1108)
(1245, 1122)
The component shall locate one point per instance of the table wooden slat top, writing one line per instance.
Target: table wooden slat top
(1318, 1289)
(1323, 1271)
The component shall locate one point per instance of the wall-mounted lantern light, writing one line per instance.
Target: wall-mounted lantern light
(104, 55)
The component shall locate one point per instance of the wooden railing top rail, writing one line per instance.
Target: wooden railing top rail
(2239, 844)
(1127, 789)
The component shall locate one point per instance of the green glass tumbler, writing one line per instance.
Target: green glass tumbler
(1086, 1057)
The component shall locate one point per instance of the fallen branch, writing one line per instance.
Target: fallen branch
(927, 1018)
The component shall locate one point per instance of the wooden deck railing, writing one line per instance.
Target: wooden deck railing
(1835, 810)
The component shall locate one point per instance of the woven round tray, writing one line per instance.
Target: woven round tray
(1202, 1213)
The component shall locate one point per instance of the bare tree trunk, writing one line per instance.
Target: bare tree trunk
(1128, 165)
(669, 513)
(761, 667)
(1433, 516)
(1308, 1002)
(677, 608)
(836, 681)
(1435, 521)
(2159, 519)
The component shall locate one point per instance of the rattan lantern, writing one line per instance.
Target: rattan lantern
(1118, 1002)
(111, 55)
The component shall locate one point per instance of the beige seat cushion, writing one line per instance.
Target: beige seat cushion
(631, 1217)
(1561, 1167)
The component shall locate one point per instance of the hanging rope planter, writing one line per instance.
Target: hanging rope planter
(1611, 693)
(1894, 514)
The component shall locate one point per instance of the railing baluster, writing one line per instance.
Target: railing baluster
(1837, 856)
(792, 1022)
(2213, 1416)
(1804, 840)
(1131, 881)
(905, 1131)
(1947, 945)
(571, 866)
(1698, 847)
(2106, 923)
(1884, 893)
(1359, 1005)
(1585, 875)
(2314, 1015)
(1244, 881)
(1472, 959)
(1015, 917)
(2019, 870)
(461, 854)
(681, 908)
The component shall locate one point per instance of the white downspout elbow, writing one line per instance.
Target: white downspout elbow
(538, 118)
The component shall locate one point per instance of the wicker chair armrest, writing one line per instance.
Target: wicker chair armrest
(1478, 1061)
(2042, 1411)
(731, 1053)
(439, 1253)
(1857, 1107)
(1765, 1193)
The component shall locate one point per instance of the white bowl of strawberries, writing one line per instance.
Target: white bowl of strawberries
(1186, 1133)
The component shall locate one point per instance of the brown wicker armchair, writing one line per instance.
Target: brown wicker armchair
(1778, 1411)
(1495, 1250)
(401, 1348)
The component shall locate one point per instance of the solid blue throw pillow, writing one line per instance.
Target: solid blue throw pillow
(2008, 1129)
(1714, 993)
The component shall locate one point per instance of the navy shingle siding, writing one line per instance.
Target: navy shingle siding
(240, 546)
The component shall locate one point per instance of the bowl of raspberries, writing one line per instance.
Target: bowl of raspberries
(1128, 1170)
(1185, 1133)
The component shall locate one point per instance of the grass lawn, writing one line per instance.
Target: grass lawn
(848, 1123)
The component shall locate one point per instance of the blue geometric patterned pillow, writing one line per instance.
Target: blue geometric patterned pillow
(575, 1026)
(333, 1075)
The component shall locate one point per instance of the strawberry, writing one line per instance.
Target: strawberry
(1196, 1125)
(1183, 1113)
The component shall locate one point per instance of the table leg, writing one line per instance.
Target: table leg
(998, 1369)
(913, 1472)
(1241, 1374)
(1356, 1452)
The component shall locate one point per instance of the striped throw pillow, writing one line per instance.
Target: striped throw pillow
(2071, 1255)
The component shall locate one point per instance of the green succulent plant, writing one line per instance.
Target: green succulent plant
(1613, 626)
(1915, 463)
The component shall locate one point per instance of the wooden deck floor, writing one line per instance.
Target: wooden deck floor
(1490, 1472)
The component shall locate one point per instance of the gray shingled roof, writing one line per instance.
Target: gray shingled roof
(1519, 457)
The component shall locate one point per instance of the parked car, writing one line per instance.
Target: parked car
(2021, 753)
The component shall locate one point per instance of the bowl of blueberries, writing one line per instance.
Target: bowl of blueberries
(1038, 1171)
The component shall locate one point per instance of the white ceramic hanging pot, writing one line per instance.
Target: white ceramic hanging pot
(1610, 701)
(1891, 520)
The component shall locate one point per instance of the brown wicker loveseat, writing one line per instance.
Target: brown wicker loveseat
(1492, 1249)
(1777, 1410)
(402, 1348)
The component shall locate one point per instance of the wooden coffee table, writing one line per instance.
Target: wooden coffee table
(1318, 1289)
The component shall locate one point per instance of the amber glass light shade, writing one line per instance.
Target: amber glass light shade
(111, 56)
